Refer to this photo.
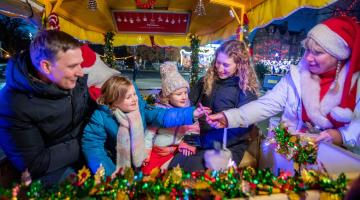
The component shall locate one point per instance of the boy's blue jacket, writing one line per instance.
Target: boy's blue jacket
(99, 138)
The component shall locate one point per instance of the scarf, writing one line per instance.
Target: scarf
(130, 145)
(326, 81)
(323, 106)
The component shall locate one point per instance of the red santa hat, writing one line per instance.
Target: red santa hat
(98, 72)
(88, 55)
(340, 37)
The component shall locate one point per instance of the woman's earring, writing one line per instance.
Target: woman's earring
(336, 84)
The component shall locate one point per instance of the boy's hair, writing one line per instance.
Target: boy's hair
(48, 43)
(239, 53)
(113, 89)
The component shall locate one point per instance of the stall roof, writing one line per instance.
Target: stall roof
(76, 19)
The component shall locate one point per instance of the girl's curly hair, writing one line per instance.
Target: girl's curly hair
(245, 71)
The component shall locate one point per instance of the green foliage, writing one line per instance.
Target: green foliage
(13, 36)
(195, 48)
(109, 57)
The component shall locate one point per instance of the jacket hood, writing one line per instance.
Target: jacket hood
(20, 76)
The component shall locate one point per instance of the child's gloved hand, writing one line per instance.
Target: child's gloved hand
(186, 149)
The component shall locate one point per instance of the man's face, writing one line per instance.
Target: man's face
(66, 69)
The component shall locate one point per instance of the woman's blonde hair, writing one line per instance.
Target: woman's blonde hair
(312, 45)
(239, 53)
(113, 89)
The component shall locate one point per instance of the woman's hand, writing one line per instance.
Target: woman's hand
(330, 135)
(217, 120)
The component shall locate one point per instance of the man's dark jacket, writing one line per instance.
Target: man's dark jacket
(40, 124)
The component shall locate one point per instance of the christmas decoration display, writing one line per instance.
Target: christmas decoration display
(92, 5)
(300, 149)
(200, 8)
(53, 21)
(145, 5)
(109, 57)
(195, 46)
(176, 184)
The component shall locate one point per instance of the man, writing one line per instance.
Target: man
(43, 107)
(137, 65)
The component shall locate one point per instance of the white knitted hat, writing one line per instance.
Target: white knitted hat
(171, 79)
(330, 41)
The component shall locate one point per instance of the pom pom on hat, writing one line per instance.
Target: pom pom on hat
(171, 79)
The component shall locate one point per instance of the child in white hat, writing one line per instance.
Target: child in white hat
(162, 143)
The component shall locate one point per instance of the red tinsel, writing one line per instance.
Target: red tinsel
(147, 5)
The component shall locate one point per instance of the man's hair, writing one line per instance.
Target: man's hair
(48, 43)
(113, 89)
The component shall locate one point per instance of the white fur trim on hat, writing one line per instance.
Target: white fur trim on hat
(171, 79)
(330, 41)
(98, 73)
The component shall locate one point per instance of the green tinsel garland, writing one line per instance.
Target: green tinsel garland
(195, 48)
(176, 184)
(109, 57)
(298, 148)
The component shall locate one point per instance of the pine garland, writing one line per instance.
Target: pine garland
(195, 48)
(109, 57)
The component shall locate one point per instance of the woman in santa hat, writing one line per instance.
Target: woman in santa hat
(320, 95)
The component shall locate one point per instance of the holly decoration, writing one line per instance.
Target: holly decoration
(195, 48)
(177, 184)
(145, 5)
(109, 57)
(293, 147)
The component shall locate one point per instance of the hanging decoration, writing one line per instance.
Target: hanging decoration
(195, 48)
(177, 184)
(109, 57)
(53, 22)
(200, 8)
(149, 4)
(92, 5)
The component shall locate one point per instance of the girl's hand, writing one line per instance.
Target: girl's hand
(201, 111)
(330, 135)
(186, 149)
(217, 120)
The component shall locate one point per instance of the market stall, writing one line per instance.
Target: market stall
(209, 20)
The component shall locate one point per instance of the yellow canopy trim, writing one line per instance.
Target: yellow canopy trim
(271, 10)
